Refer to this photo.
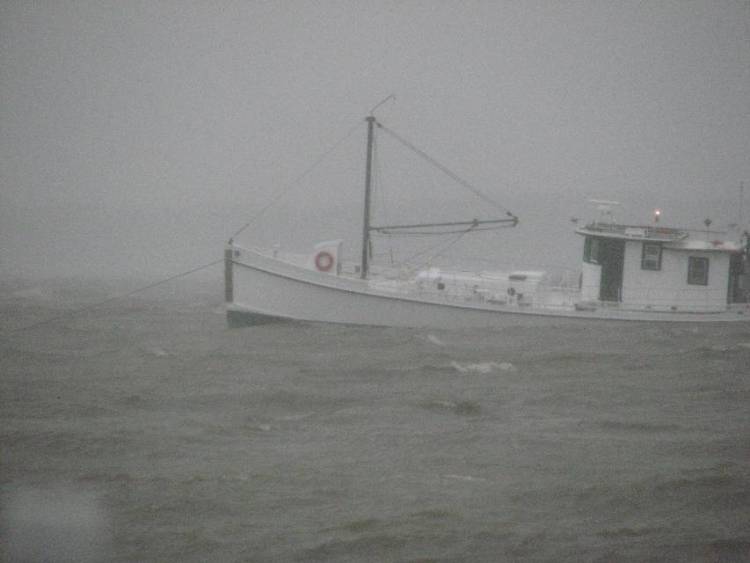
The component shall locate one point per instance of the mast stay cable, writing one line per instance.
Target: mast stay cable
(476, 191)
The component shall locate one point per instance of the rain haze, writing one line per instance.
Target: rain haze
(442, 415)
(136, 137)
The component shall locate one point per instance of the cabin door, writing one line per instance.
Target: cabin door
(739, 280)
(612, 261)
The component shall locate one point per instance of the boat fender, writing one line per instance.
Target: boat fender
(324, 261)
(511, 291)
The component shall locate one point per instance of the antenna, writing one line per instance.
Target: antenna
(381, 102)
(605, 209)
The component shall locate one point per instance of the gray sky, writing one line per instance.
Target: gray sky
(135, 137)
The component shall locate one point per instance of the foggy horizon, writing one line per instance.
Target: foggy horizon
(136, 138)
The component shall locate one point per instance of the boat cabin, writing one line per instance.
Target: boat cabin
(661, 269)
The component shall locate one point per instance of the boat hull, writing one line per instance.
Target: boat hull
(262, 289)
(265, 290)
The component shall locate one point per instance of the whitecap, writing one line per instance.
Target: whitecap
(157, 351)
(435, 340)
(293, 417)
(482, 367)
(467, 478)
(446, 404)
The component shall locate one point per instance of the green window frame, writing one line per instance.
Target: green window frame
(697, 270)
(651, 256)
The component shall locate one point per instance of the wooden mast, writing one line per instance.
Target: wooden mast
(365, 267)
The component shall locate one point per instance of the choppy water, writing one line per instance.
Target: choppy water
(146, 430)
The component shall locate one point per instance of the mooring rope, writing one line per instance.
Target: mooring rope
(115, 298)
(288, 188)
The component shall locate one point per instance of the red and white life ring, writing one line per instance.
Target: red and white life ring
(324, 261)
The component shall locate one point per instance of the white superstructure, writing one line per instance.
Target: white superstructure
(660, 269)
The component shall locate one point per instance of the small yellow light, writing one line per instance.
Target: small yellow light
(657, 214)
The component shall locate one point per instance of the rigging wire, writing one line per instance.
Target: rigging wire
(445, 248)
(476, 191)
(288, 188)
(115, 298)
(399, 233)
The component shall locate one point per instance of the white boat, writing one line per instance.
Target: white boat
(628, 273)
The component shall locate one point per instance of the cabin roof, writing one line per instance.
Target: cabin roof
(633, 232)
(677, 239)
(709, 245)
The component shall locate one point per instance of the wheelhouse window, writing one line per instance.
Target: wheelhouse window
(697, 270)
(591, 250)
(651, 256)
